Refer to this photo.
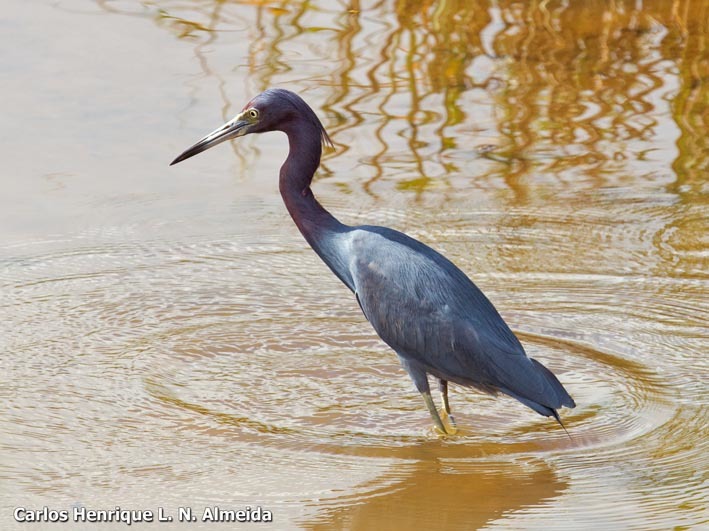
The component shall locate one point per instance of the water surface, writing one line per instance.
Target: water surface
(170, 340)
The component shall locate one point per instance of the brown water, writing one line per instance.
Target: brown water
(168, 339)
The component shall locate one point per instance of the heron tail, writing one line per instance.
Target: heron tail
(546, 397)
(560, 396)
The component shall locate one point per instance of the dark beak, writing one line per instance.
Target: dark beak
(232, 129)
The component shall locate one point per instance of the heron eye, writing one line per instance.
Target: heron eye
(253, 113)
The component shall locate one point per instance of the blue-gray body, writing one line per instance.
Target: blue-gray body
(435, 318)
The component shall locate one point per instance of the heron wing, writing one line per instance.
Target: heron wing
(428, 310)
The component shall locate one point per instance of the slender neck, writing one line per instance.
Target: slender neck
(313, 221)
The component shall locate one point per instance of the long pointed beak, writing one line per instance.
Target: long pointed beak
(231, 129)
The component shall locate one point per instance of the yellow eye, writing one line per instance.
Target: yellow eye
(253, 113)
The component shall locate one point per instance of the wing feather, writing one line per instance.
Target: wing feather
(428, 310)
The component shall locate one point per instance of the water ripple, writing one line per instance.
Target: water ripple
(226, 341)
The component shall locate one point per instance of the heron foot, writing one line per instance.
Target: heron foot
(438, 431)
(438, 424)
(448, 421)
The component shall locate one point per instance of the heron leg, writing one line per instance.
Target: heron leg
(434, 413)
(418, 375)
(443, 388)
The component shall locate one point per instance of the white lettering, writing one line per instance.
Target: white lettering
(45, 514)
(184, 514)
(128, 517)
(216, 514)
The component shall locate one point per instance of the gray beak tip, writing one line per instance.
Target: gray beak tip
(227, 131)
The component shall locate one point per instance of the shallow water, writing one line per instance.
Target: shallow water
(169, 340)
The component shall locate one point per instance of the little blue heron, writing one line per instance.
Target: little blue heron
(418, 301)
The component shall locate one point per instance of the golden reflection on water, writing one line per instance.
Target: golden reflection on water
(556, 151)
(582, 75)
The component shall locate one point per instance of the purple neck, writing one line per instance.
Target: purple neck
(313, 221)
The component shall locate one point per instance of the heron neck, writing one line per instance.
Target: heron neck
(311, 218)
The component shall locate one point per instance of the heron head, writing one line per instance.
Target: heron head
(272, 110)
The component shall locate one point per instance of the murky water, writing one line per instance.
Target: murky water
(169, 340)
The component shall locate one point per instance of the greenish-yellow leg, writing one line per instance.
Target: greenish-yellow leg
(420, 378)
(443, 388)
(434, 412)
